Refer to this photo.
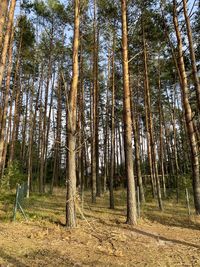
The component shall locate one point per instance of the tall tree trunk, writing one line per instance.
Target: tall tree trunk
(56, 164)
(106, 129)
(150, 123)
(192, 54)
(96, 182)
(188, 114)
(80, 158)
(6, 101)
(24, 127)
(47, 132)
(6, 40)
(149, 147)
(71, 127)
(3, 13)
(16, 117)
(131, 196)
(161, 132)
(30, 143)
(112, 171)
(137, 160)
(137, 150)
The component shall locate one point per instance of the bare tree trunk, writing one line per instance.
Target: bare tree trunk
(15, 119)
(6, 100)
(161, 133)
(6, 40)
(188, 114)
(44, 139)
(47, 132)
(175, 150)
(71, 127)
(131, 196)
(80, 158)
(3, 14)
(24, 127)
(192, 54)
(137, 150)
(120, 146)
(30, 143)
(112, 171)
(149, 147)
(106, 130)
(56, 164)
(96, 184)
(150, 124)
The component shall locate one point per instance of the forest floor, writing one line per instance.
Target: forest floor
(102, 238)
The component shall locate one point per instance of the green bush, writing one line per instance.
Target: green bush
(13, 176)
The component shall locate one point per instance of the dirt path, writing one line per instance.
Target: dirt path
(100, 240)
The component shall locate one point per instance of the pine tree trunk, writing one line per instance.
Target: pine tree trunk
(71, 127)
(150, 124)
(137, 161)
(6, 40)
(161, 133)
(56, 163)
(47, 133)
(149, 148)
(3, 14)
(137, 150)
(6, 101)
(106, 129)
(96, 182)
(30, 144)
(80, 158)
(192, 54)
(188, 115)
(112, 171)
(131, 195)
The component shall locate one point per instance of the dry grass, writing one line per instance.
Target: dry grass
(102, 238)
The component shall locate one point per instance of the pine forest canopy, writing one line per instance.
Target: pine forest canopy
(98, 94)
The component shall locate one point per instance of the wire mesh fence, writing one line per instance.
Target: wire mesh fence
(20, 200)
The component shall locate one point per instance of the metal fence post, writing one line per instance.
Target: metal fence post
(16, 202)
(187, 201)
(138, 201)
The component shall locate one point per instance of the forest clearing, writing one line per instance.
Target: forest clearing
(99, 133)
(102, 238)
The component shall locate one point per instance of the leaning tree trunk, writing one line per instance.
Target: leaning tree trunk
(131, 197)
(192, 54)
(71, 127)
(188, 115)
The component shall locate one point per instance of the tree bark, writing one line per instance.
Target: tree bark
(188, 114)
(6, 40)
(149, 120)
(112, 171)
(131, 195)
(3, 14)
(6, 100)
(192, 54)
(161, 133)
(71, 127)
(96, 181)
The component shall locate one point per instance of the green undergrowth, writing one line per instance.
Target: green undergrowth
(51, 208)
